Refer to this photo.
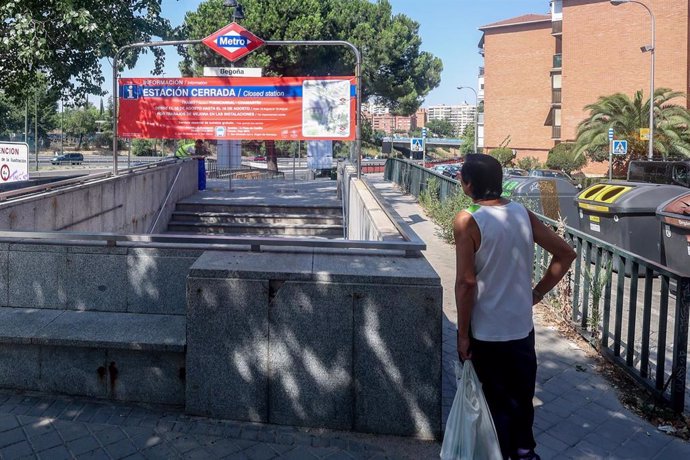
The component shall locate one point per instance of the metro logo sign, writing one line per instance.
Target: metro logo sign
(233, 42)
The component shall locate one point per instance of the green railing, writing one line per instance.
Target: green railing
(634, 311)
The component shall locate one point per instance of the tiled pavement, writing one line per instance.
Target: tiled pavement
(578, 414)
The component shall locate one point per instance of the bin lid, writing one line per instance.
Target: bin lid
(622, 197)
(676, 211)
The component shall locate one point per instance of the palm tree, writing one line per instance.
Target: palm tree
(626, 116)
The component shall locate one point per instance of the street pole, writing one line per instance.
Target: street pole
(36, 126)
(610, 159)
(652, 49)
(26, 120)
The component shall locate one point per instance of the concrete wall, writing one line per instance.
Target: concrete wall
(128, 203)
(97, 278)
(335, 340)
(364, 217)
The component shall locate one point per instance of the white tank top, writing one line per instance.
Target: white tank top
(503, 265)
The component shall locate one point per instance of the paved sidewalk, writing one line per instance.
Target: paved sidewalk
(578, 414)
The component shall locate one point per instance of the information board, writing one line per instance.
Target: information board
(276, 108)
(14, 161)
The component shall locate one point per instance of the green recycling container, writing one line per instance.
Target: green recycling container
(550, 197)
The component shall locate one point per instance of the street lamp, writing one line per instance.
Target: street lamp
(652, 50)
(476, 113)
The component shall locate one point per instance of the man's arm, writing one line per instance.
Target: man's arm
(466, 234)
(562, 257)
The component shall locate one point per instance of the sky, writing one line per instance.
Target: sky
(448, 28)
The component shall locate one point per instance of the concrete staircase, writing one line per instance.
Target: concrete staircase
(256, 219)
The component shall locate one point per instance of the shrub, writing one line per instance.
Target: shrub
(143, 147)
(562, 157)
(504, 155)
(528, 163)
(443, 212)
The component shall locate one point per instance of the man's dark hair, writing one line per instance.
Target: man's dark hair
(485, 174)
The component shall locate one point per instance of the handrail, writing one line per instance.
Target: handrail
(219, 242)
(165, 202)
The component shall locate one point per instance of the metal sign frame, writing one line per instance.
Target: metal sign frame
(358, 76)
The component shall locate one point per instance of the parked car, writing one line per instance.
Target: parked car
(439, 168)
(514, 172)
(555, 174)
(68, 158)
(660, 172)
(452, 171)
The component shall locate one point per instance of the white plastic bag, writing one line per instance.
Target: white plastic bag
(470, 431)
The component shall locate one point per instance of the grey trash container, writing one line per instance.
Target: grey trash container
(624, 214)
(550, 197)
(675, 221)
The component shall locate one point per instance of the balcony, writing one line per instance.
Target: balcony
(556, 95)
(481, 71)
(555, 132)
(557, 28)
(557, 61)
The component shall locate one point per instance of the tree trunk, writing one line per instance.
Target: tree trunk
(271, 156)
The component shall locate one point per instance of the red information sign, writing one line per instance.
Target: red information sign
(233, 41)
(277, 108)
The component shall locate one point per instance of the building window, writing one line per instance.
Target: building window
(557, 8)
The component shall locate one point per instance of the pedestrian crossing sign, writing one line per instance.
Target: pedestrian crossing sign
(416, 144)
(620, 147)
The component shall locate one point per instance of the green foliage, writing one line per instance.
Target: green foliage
(528, 163)
(626, 116)
(80, 122)
(440, 128)
(563, 158)
(394, 69)
(66, 40)
(504, 155)
(443, 212)
(143, 147)
(467, 137)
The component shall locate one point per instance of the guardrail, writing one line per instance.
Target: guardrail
(243, 172)
(627, 318)
(78, 180)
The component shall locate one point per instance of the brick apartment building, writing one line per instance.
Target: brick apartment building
(382, 120)
(540, 71)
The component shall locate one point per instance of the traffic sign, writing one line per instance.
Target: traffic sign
(233, 42)
(610, 134)
(232, 71)
(14, 161)
(620, 147)
(417, 144)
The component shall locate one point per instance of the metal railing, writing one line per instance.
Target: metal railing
(556, 95)
(243, 172)
(640, 323)
(556, 27)
(555, 132)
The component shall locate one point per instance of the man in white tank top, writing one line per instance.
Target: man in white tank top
(494, 245)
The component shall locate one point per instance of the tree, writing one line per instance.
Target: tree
(467, 137)
(81, 121)
(626, 116)
(563, 158)
(528, 163)
(66, 40)
(394, 70)
(504, 155)
(441, 128)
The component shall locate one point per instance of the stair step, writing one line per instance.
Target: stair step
(260, 209)
(254, 218)
(256, 229)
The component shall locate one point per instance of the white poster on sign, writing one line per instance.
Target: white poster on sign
(14, 161)
(319, 154)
